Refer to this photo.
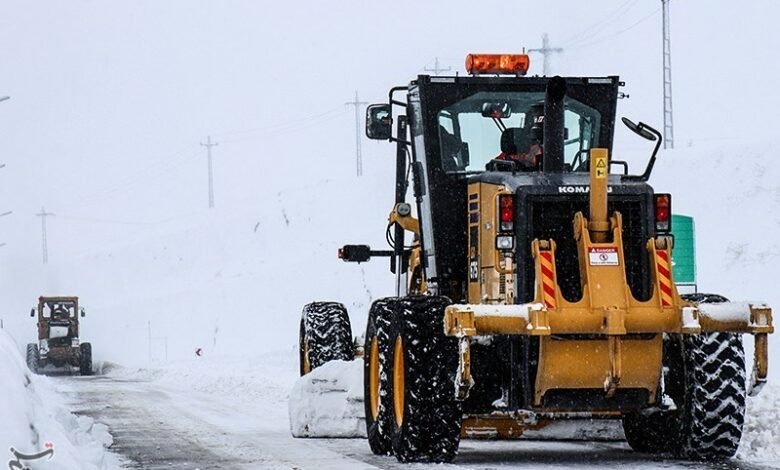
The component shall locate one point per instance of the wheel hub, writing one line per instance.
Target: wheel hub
(398, 381)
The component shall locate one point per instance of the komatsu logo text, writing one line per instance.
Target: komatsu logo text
(577, 189)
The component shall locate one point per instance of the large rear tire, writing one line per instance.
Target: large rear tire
(377, 371)
(32, 357)
(707, 383)
(325, 335)
(426, 416)
(85, 359)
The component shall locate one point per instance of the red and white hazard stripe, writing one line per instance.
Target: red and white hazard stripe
(548, 278)
(664, 277)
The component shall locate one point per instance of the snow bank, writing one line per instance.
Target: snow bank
(33, 417)
(328, 402)
(761, 435)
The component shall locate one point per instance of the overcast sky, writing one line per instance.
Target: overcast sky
(110, 99)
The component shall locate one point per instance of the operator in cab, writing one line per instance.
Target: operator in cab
(523, 145)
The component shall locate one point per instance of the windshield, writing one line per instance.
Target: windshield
(59, 309)
(509, 125)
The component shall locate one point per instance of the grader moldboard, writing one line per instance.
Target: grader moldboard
(535, 289)
(58, 344)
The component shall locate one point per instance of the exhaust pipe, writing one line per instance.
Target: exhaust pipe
(553, 125)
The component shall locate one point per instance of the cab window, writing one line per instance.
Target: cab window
(470, 130)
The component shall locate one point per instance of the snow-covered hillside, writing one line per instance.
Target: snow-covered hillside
(233, 280)
(733, 192)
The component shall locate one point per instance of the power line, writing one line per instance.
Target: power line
(357, 104)
(208, 146)
(293, 122)
(141, 177)
(172, 161)
(595, 28)
(43, 214)
(94, 220)
(292, 127)
(546, 50)
(616, 33)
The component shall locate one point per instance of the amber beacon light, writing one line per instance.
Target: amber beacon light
(515, 64)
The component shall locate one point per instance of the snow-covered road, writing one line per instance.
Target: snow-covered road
(158, 427)
(192, 419)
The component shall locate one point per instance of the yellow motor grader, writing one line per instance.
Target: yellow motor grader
(537, 284)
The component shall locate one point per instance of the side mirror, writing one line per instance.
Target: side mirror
(643, 130)
(83, 312)
(639, 129)
(32, 312)
(379, 122)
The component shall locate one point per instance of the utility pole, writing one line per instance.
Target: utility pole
(668, 122)
(43, 214)
(357, 104)
(436, 69)
(546, 50)
(208, 146)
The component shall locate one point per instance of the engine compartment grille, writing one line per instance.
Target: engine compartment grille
(552, 218)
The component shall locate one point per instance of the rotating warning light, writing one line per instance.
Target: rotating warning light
(515, 64)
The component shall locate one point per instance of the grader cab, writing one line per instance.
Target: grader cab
(535, 281)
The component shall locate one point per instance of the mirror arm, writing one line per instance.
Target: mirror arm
(646, 175)
(405, 142)
(396, 103)
(393, 91)
(621, 163)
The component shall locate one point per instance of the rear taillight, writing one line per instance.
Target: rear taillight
(663, 212)
(506, 212)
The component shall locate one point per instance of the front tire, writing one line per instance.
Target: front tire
(706, 380)
(325, 335)
(32, 357)
(715, 396)
(426, 416)
(377, 371)
(85, 359)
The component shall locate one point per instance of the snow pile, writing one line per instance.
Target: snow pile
(328, 402)
(33, 418)
(579, 430)
(761, 434)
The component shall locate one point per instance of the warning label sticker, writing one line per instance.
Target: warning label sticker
(601, 167)
(603, 256)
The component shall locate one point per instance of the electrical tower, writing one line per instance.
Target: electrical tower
(208, 146)
(546, 50)
(668, 122)
(357, 104)
(436, 69)
(43, 214)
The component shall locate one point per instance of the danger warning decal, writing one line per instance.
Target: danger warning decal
(603, 256)
(664, 277)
